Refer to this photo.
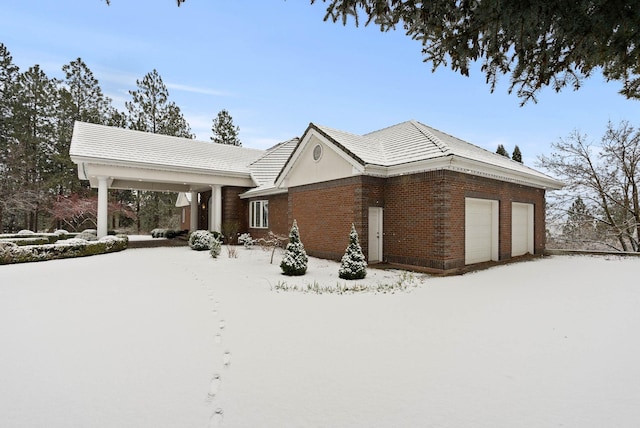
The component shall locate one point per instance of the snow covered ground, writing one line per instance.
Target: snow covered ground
(165, 337)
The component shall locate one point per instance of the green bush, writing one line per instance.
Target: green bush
(31, 239)
(12, 253)
(200, 240)
(216, 247)
(294, 262)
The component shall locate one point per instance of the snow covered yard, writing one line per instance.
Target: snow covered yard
(164, 337)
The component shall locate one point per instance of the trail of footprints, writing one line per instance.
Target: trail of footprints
(215, 421)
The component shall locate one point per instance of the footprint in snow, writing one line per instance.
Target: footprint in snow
(222, 324)
(217, 338)
(216, 419)
(214, 386)
(226, 359)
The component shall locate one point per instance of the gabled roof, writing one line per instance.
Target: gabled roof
(265, 169)
(411, 146)
(95, 143)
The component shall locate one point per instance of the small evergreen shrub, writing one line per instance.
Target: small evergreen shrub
(295, 258)
(200, 240)
(246, 240)
(25, 232)
(353, 264)
(216, 247)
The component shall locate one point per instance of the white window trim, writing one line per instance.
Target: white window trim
(260, 207)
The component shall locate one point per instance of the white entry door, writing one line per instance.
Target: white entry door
(375, 234)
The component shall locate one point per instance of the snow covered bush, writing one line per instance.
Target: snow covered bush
(216, 247)
(12, 253)
(246, 240)
(158, 233)
(200, 240)
(24, 232)
(353, 264)
(87, 235)
(295, 257)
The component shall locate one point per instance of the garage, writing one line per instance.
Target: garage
(481, 230)
(521, 229)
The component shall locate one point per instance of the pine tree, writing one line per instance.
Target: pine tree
(517, 155)
(353, 264)
(151, 111)
(8, 77)
(224, 132)
(34, 127)
(295, 259)
(579, 220)
(502, 151)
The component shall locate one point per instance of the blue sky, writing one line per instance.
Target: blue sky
(275, 65)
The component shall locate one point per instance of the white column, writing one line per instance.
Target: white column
(103, 201)
(215, 210)
(193, 216)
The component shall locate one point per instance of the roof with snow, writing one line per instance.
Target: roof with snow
(97, 142)
(410, 146)
(266, 168)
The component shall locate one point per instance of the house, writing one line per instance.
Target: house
(416, 195)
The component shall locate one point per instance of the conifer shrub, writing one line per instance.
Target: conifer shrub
(200, 240)
(246, 240)
(353, 264)
(294, 262)
(216, 247)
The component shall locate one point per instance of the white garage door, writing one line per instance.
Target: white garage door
(481, 230)
(521, 229)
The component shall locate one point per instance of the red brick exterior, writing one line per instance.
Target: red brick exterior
(278, 216)
(424, 223)
(234, 208)
(424, 215)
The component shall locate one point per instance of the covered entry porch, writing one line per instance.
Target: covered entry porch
(116, 158)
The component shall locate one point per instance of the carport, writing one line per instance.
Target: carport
(116, 158)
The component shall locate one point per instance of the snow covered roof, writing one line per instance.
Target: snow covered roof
(265, 170)
(411, 146)
(92, 142)
(183, 199)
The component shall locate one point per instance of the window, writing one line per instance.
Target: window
(259, 214)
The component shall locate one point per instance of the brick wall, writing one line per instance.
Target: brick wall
(462, 186)
(324, 213)
(235, 209)
(278, 216)
(415, 219)
(423, 215)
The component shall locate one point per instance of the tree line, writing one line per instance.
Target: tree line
(39, 185)
(599, 208)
